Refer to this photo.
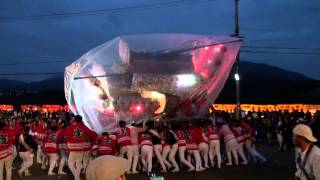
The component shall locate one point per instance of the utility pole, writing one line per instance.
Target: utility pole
(237, 70)
(236, 18)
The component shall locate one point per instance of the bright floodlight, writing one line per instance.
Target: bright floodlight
(236, 77)
(186, 80)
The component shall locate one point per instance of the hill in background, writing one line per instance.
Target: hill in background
(260, 84)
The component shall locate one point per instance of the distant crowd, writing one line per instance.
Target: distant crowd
(60, 141)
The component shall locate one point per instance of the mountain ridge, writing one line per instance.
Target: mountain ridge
(248, 71)
(260, 84)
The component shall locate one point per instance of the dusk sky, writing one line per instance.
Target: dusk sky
(62, 39)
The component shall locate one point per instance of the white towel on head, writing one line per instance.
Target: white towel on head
(106, 168)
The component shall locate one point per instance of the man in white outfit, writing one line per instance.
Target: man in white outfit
(180, 136)
(308, 160)
(135, 130)
(193, 149)
(26, 149)
(171, 138)
(157, 147)
(123, 135)
(232, 146)
(5, 152)
(77, 134)
(214, 143)
(250, 138)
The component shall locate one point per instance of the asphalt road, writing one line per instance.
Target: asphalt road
(280, 166)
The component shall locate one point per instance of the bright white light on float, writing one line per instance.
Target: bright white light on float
(217, 49)
(138, 108)
(185, 80)
(160, 98)
(236, 77)
(220, 48)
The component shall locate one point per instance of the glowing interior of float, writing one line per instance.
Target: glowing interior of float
(132, 78)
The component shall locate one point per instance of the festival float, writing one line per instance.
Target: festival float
(133, 78)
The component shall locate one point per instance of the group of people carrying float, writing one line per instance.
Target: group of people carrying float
(152, 146)
(196, 145)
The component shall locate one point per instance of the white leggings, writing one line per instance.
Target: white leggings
(63, 158)
(7, 162)
(204, 149)
(172, 156)
(214, 150)
(14, 152)
(232, 147)
(146, 157)
(75, 163)
(40, 155)
(241, 153)
(182, 150)
(53, 158)
(157, 150)
(135, 157)
(127, 150)
(253, 152)
(280, 140)
(27, 161)
(197, 158)
(165, 153)
(86, 160)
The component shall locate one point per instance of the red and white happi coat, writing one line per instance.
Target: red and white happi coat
(191, 143)
(6, 143)
(238, 133)
(212, 133)
(50, 144)
(123, 137)
(181, 138)
(226, 132)
(107, 145)
(144, 139)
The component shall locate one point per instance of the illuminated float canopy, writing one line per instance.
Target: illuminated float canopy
(136, 77)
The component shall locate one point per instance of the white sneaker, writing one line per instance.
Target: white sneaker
(191, 169)
(51, 174)
(135, 172)
(163, 171)
(144, 169)
(20, 174)
(244, 163)
(264, 160)
(200, 169)
(62, 173)
(175, 170)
